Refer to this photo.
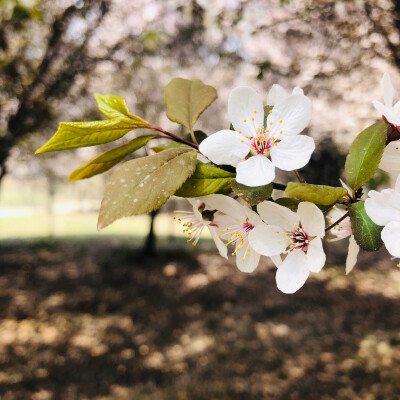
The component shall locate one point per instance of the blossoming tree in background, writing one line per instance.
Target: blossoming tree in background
(228, 177)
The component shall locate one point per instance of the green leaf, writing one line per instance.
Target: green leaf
(365, 155)
(71, 135)
(206, 180)
(317, 194)
(103, 162)
(253, 195)
(366, 233)
(112, 106)
(186, 100)
(145, 184)
(170, 145)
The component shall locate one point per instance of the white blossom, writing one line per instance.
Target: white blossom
(256, 149)
(297, 235)
(235, 222)
(194, 222)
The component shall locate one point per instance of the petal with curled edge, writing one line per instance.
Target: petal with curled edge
(315, 255)
(352, 254)
(311, 218)
(289, 116)
(391, 237)
(268, 240)
(274, 214)
(256, 171)
(245, 110)
(225, 147)
(292, 273)
(292, 152)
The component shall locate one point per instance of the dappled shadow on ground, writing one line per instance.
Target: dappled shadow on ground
(94, 320)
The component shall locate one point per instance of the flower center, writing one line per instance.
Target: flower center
(297, 239)
(236, 235)
(261, 143)
(192, 226)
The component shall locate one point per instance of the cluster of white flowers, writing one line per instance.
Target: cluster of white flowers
(293, 240)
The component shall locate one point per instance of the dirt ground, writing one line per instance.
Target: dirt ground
(99, 320)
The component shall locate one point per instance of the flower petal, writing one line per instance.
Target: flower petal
(352, 255)
(247, 261)
(277, 260)
(387, 112)
(268, 240)
(276, 94)
(315, 255)
(388, 90)
(298, 90)
(383, 207)
(397, 185)
(225, 204)
(292, 273)
(274, 214)
(292, 152)
(311, 218)
(390, 161)
(223, 250)
(245, 110)
(225, 147)
(391, 237)
(295, 114)
(256, 171)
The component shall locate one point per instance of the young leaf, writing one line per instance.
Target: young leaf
(365, 155)
(112, 106)
(252, 195)
(71, 135)
(366, 233)
(145, 184)
(103, 162)
(206, 180)
(186, 100)
(317, 194)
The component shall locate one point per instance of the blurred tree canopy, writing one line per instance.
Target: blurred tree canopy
(55, 53)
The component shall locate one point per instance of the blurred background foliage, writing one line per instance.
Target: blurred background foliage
(96, 318)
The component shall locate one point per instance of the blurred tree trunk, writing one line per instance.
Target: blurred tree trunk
(150, 243)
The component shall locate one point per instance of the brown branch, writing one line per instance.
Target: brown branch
(337, 222)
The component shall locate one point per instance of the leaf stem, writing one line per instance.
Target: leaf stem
(301, 180)
(193, 137)
(337, 222)
(174, 137)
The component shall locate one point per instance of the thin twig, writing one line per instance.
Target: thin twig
(337, 222)
(174, 137)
